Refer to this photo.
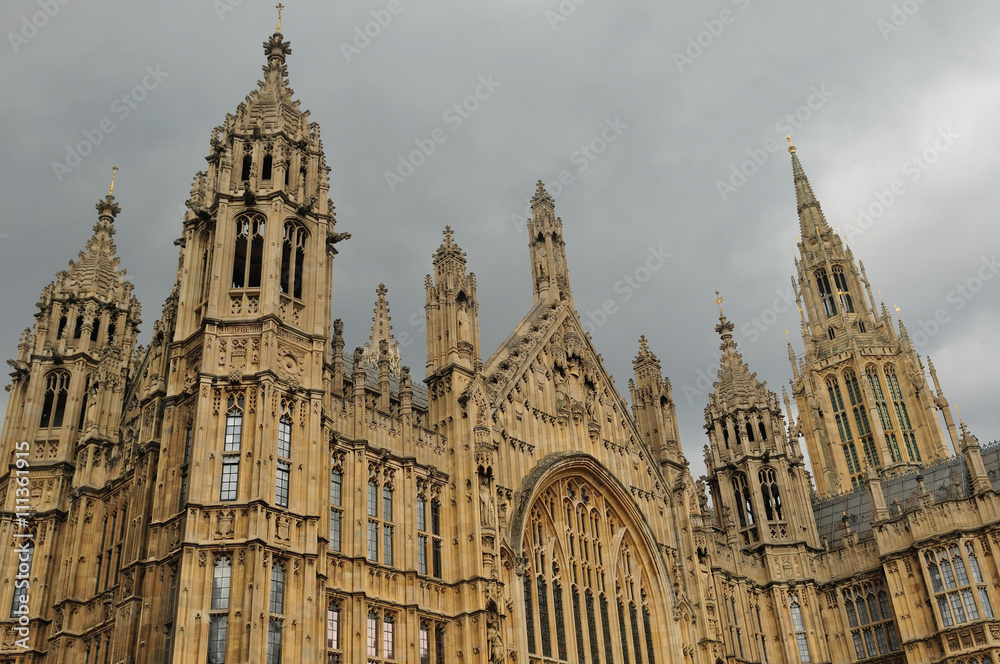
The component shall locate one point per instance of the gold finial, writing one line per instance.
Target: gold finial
(897, 308)
(719, 300)
(791, 148)
(959, 415)
(786, 334)
(279, 7)
(114, 171)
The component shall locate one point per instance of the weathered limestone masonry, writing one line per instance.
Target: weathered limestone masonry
(245, 489)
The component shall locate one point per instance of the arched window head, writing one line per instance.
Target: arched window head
(277, 604)
(54, 405)
(770, 494)
(234, 424)
(221, 583)
(825, 293)
(293, 258)
(744, 509)
(249, 250)
(840, 281)
(247, 162)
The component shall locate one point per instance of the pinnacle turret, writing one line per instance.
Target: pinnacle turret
(381, 345)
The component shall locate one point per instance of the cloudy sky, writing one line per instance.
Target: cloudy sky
(647, 110)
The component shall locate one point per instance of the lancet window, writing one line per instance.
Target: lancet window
(248, 256)
(909, 439)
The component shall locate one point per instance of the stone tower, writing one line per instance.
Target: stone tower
(757, 477)
(862, 397)
(247, 369)
(65, 406)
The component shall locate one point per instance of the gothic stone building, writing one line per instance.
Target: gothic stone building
(243, 490)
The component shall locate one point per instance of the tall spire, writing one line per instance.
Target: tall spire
(381, 344)
(812, 223)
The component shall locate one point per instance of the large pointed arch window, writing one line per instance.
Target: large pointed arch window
(861, 419)
(771, 497)
(293, 259)
(825, 293)
(883, 412)
(840, 281)
(744, 509)
(248, 256)
(54, 404)
(901, 413)
(586, 586)
(844, 427)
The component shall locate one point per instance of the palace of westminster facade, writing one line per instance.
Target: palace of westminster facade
(257, 494)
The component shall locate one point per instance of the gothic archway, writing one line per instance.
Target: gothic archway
(593, 587)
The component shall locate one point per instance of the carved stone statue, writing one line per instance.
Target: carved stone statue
(487, 504)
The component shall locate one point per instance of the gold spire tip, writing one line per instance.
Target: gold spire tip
(791, 148)
(719, 300)
(279, 7)
(114, 171)
(897, 308)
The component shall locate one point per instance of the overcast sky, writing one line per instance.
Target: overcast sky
(689, 92)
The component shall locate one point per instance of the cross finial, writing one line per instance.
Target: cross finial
(448, 233)
(111, 189)
(719, 300)
(279, 7)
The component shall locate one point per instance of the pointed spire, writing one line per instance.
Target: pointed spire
(381, 345)
(812, 223)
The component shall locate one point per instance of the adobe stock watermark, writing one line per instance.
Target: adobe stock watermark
(454, 117)
(785, 126)
(122, 107)
(223, 7)
(364, 34)
(24, 543)
(565, 9)
(582, 158)
(957, 297)
(30, 26)
(699, 42)
(898, 17)
(913, 168)
(626, 288)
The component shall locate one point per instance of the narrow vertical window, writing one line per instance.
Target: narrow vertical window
(277, 603)
(333, 633)
(19, 602)
(78, 327)
(439, 645)
(543, 617)
(284, 469)
(95, 329)
(557, 606)
(581, 653)
(217, 627)
(293, 252)
(421, 535)
(825, 294)
(436, 538)
(840, 281)
(221, 582)
(371, 635)
(800, 632)
(247, 163)
(232, 441)
(184, 466)
(336, 514)
(267, 166)
(647, 624)
(388, 637)
(61, 329)
(606, 624)
(529, 613)
(82, 418)
(424, 643)
(621, 631)
(274, 641)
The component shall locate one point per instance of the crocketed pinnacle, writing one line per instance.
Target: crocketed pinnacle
(735, 386)
(375, 350)
(449, 254)
(812, 223)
